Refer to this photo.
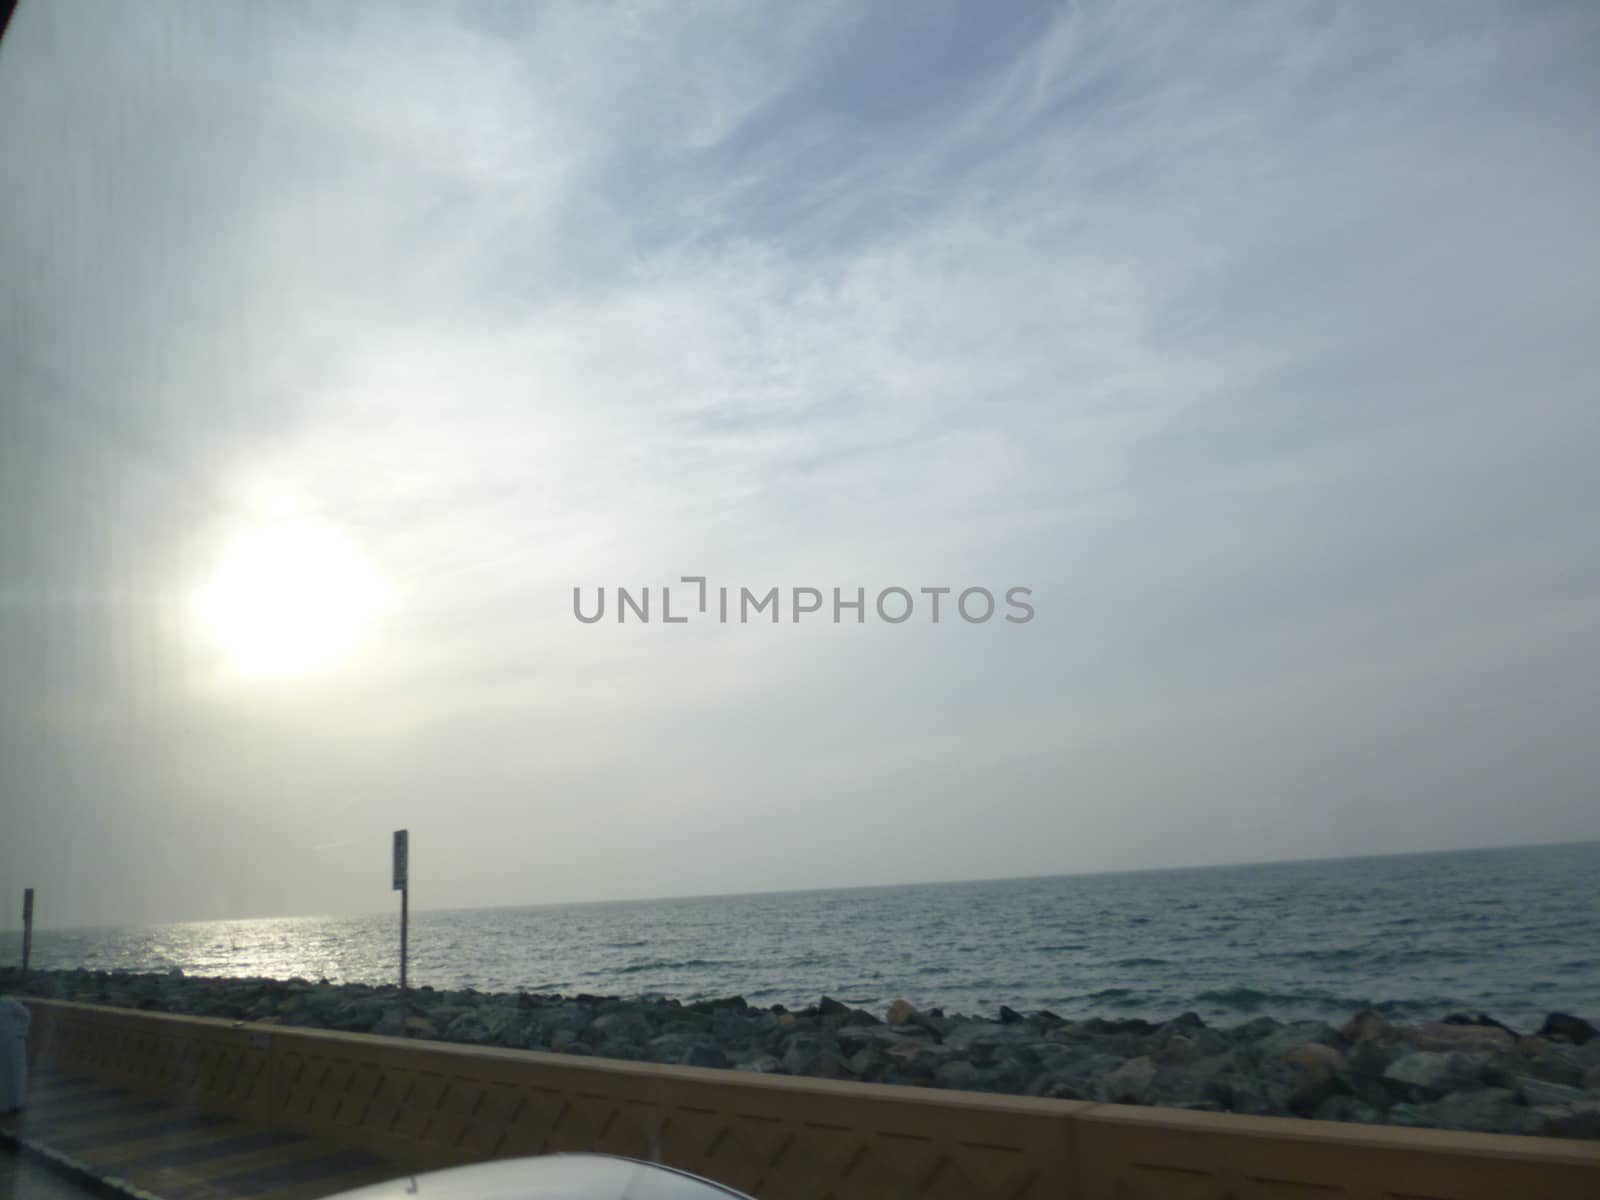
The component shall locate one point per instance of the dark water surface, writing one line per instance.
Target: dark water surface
(1510, 932)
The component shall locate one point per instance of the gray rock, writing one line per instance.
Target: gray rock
(704, 1056)
(763, 1064)
(957, 1073)
(1256, 1029)
(802, 1053)
(1341, 1106)
(1131, 1083)
(854, 1037)
(621, 1026)
(1485, 1111)
(1571, 1121)
(1492, 1110)
(1293, 1036)
(1541, 1092)
(467, 1028)
(1554, 1065)
(1567, 1028)
(1441, 1036)
(1367, 1025)
(868, 1062)
(1429, 1074)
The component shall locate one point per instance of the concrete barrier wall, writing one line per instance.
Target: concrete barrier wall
(426, 1105)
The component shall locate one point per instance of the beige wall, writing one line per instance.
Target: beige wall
(427, 1105)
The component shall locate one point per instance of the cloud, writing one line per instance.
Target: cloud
(1256, 343)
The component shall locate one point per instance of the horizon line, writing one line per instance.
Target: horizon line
(857, 887)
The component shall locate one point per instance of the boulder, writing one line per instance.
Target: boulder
(1315, 1060)
(1563, 1027)
(624, 1025)
(734, 1003)
(467, 1028)
(1533, 1047)
(1552, 1067)
(1429, 1074)
(1341, 1106)
(1255, 1029)
(1295, 1035)
(1131, 1083)
(704, 1056)
(915, 1067)
(1492, 1110)
(868, 1062)
(1175, 1052)
(957, 1073)
(1481, 1019)
(968, 1035)
(1439, 1036)
(901, 1012)
(829, 1066)
(1136, 1026)
(852, 1037)
(1542, 1092)
(803, 1053)
(1570, 1121)
(1367, 1025)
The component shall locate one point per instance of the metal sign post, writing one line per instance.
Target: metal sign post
(402, 854)
(27, 934)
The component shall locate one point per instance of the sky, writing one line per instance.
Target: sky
(341, 344)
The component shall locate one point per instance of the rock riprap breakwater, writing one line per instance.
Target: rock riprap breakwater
(1465, 1071)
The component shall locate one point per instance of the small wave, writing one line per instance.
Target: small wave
(1342, 954)
(1144, 962)
(666, 965)
(1243, 998)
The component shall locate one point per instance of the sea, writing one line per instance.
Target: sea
(1512, 933)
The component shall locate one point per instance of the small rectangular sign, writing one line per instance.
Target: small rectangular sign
(27, 904)
(401, 852)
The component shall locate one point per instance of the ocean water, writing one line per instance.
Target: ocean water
(1510, 932)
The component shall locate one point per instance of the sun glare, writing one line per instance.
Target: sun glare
(289, 599)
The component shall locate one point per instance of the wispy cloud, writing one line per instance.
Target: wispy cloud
(1256, 340)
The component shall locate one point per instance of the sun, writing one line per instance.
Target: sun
(289, 599)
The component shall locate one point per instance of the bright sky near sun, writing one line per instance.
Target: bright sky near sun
(340, 343)
(288, 599)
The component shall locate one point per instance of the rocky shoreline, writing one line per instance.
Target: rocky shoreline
(1463, 1072)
